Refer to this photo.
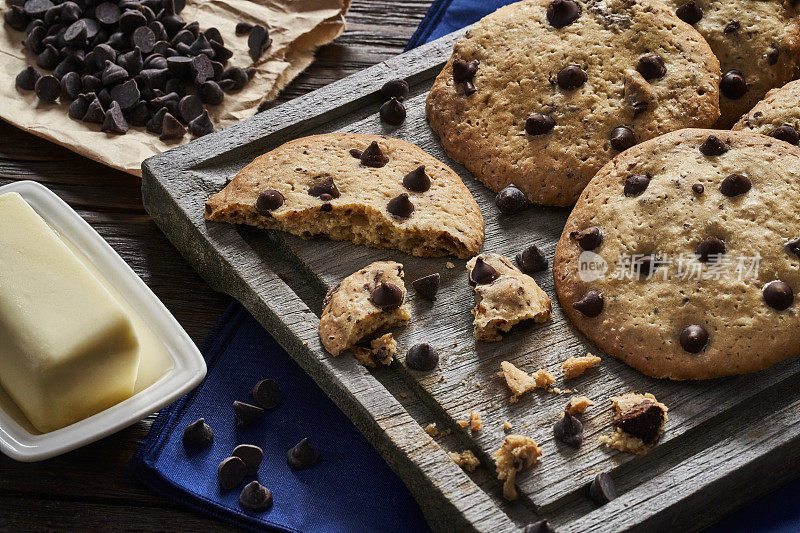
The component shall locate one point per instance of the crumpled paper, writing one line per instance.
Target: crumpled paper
(297, 28)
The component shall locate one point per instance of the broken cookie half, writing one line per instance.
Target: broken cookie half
(638, 423)
(370, 300)
(504, 297)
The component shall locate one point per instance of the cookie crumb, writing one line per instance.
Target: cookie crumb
(475, 423)
(382, 350)
(638, 423)
(575, 366)
(450, 265)
(463, 423)
(431, 429)
(518, 453)
(578, 405)
(403, 395)
(520, 382)
(507, 425)
(465, 460)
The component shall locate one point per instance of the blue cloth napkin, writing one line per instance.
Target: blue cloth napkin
(352, 489)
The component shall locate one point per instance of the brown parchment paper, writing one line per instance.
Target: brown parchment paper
(297, 28)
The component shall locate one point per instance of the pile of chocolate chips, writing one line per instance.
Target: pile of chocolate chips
(129, 62)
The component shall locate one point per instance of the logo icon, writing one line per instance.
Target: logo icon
(591, 267)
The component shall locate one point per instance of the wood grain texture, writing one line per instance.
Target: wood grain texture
(702, 455)
(89, 488)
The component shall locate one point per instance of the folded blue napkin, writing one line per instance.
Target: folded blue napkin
(352, 489)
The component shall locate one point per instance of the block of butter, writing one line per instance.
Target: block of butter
(67, 348)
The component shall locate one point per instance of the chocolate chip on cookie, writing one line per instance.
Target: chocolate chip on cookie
(324, 187)
(373, 156)
(483, 273)
(786, 133)
(622, 138)
(562, 13)
(417, 180)
(422, 357)
(643, 421)
(651, 67)
(698, 188)
(268, 200)
(735, 185)
(588, 239)
(694, 338)
(355, 152)
(591, 305)
(464, 74)
(387, 296)
(539, 124)
(731, 27)
(794, 246)
(712, 146)
(710, 248)
(636, 184)
(690, 12)
(400, 206)
(511, 200)
(571, 77)
(733, 84)
(778, 295)
(427, 286)
(531, 260)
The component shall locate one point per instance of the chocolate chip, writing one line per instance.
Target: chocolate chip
(690, 12)
(778, 295)
(562, 13)
(326, 186)
(387, 296)
(735, 185)
(201, 69)
(267, 201)
(400, 206)
(180, 66)
(511, 200)
(243, 28)
(246, 414)
(794, 246)
(107, 13)
(622, 138)
(417, 180)
(569, 430)
(483, 273)
(78, 108)
(76, 33)
(422, 357)
(255, 497)
(267, 393)
(113, 74)
(588, 239)
(190, 107)
(698, 188)
(464, 71)
(531, 260)
(542, 526)
(395, 89)
(71, 86)
(47, 88)
(710, 248)
(171, 128)
(37, 8)
(49, 57)
(201, 125)
(144, 38)
(138, 115)
(198, 434)
(184, 36)
(210, 93)
(33, 42)
(169, 101)
(393, 112)
(731, 27)
(251, 455)
(114, 121)
(373, 156)
(602, 489)
(651, 67)
(733, 85)
(571, 77)
(230, 472)
(130, 20)
(694, 338)
(636, 184)
(94, 113)
(786, 133)
(712, 146)
(258, 41)
(16, 18)
(302, 455)
(26, 79)
(539, 124)
(643, 421)
(773, 55)
(126, 94)
(427, 286)
(591, 305)
(355, 153)
(469, 88)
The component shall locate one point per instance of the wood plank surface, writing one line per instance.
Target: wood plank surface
(89, 488)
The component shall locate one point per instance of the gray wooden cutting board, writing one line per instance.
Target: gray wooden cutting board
(726, 442)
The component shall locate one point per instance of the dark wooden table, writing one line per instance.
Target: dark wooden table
(89, 489)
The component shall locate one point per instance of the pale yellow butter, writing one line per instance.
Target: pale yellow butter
(67, 348)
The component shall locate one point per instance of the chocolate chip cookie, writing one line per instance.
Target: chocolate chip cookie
(368, 189)
(682, 256)
(777, 115)
(542, 93)
(757, 44)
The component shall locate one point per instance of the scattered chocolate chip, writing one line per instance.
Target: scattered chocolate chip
(154, 125)
(198, 434)
(71, 86)
(243, 28)
(643, 421)
(733, 85)
(78, 108)
(27, 79)
(569, 430)
(562, 13)
(112, 74)
(531, 260)
(622, 138)
(107, 13)
(302, 455)
(735, 185)
(636, 184)
(190, 107)
(510, 200)
(591, 305)
(223, 54)
(417, 180)
(171, 128)
(210, 93)
(698, 188)
(427, 286)
(387, 296)
(794, 246)
(144, 39)
(778, 295)
(37, 8)
(230, 472)
(76, 34)
(571, 77)
(712, 146)
(651, 67)
(237, 75)
(690, 12)
(246, 414)
(395, 89)
(326, 186)
(33, 41)
(588, 239)
(138, 115)
(731, 27)
(267, 201)
(539, 124)
(464, 71)
(130, 20)
(786, 133)
(126, 94)
(47, 88)
(483, 273)
(94, 113)
(201, 125)
(422, 357)
(602, 489)
(267, 393)
(114, 121)
(393, 112)
(91, 84)
(400, 206)
(16, 18)
(542, 526)
(373, 156)
(258, 41)
(48, 58)
(251, 455)
(694, 338)
(710, 248)
(255, 497)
